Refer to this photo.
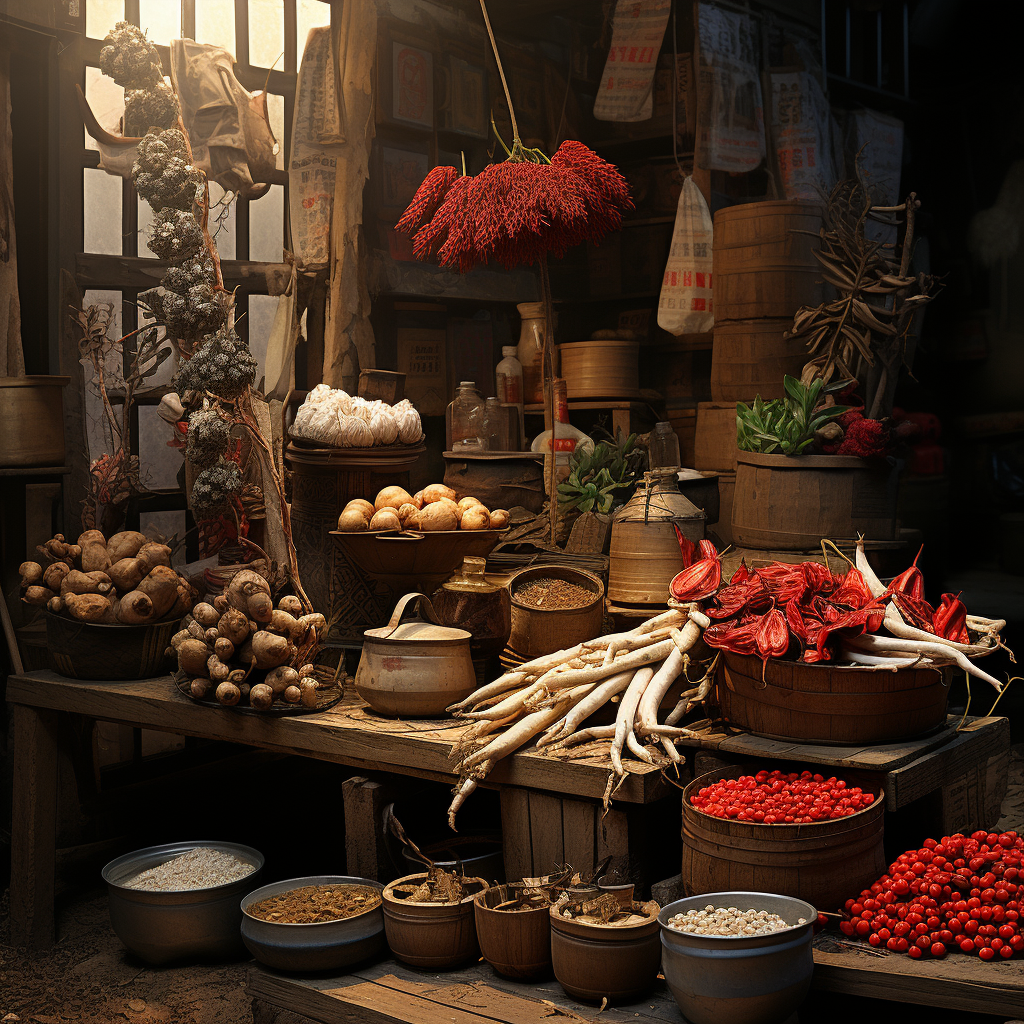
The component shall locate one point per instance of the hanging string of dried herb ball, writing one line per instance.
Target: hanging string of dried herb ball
(156, 106)
(209, 436)
(215, 489)
(221, 365)
(175, 235)
(129, 58)
(162, 173)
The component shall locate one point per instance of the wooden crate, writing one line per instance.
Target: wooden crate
(715, 441)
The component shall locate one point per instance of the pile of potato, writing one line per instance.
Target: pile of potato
(434, 508)
(240, 649)
(127, 579)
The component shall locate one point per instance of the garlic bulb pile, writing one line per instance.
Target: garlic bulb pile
(340, 420)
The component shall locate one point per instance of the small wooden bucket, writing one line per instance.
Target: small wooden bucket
(601, 369)
(539, 631)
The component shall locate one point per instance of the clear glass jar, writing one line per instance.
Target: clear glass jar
(495, 430)
(465, 419)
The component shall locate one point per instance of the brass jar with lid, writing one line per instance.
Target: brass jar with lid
(467, 601)
(644, 553)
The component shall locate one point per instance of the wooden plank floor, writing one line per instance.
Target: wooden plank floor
(390, 993)
(958, 982)
(348, 733)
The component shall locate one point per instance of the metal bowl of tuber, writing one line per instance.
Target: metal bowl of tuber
(317, 945)
(100, 650)
(166, 925)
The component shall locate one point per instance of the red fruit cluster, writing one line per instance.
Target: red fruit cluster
(517, 211)
(957, 893)
(774, 798)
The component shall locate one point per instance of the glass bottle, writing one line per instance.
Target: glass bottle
(468, 601)
(494, 426)
(664, 447)
(508, 378)
(567, 438)
(465, 419)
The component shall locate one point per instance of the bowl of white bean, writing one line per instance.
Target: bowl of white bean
(179, 901)
(737, 957)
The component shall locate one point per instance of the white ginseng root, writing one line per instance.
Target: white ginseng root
(872, 643)
(596, 699)
(626, 714)
(673, 665)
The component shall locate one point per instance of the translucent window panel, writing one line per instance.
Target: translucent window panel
(266, 226)
(166, 370)
(101, 204)
(97, 426)
(101, 16)
(222, 222)
(266, 32)
(275, 109)
(262, 310)
(158, 464)
(215, 23)
(146, 217)
(161, 19)
(168, 525)
(106, 98)
(309, 14)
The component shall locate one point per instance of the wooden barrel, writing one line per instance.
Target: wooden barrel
(763, 264)
(791, 503)
(32, 420)
(751, 357)
(645, 557)
(726, 498)
(714, 444)
(601, 368)
(823, 862)
(830, 704)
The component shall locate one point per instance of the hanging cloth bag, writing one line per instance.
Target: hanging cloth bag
(684, 306)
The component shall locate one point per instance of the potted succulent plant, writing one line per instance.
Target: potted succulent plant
(788, 493)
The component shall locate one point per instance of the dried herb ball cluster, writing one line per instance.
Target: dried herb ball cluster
(187, 316)
(162, 174)
(209, 436)
(156, 106)
(129, 58)
(222, 365)
(175, 235)
(214, 488)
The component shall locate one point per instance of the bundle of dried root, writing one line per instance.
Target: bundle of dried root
(550, 697)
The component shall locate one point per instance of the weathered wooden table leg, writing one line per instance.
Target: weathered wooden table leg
(366, 850)
(34, 826)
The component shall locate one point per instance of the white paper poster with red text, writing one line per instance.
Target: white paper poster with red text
(626, 92)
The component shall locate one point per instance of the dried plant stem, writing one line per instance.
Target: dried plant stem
(548, 364)
(501, 74)
(204, 221)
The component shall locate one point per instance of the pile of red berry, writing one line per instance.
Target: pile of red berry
(959, 893)
(775, 798)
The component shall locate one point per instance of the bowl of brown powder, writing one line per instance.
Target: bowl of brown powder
(179, 901)
(317, 923)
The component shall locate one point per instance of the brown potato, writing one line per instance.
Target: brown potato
(352, 520)
(391, 497)
(499, 519)
(385, 519)
(435, 492)
(438, 515)
(361, 505)
(476, 517)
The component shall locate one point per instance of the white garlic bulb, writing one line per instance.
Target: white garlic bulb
(384, 426)
(354, 432)
(318, 394)
(410, 430)
(361, 408)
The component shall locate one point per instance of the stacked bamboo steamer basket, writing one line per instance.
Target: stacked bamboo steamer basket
(764, 271)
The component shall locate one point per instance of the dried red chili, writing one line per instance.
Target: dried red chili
(950, 619)
(772, 634)
(698, 582)
(725, 636)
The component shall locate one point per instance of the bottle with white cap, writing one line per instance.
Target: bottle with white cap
(509, 382)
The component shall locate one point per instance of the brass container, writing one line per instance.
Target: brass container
(644, 553)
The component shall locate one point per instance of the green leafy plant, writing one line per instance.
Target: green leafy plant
(786, 426)
(601, 478)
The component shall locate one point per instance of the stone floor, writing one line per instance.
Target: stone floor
(88, 978)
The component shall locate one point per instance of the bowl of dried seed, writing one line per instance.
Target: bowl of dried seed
(737, 957)
(179, 901)
(317, 923)
(553, 607)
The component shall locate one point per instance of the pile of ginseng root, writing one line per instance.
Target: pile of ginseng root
(548, 699)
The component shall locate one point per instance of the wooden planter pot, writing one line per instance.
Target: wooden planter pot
(822, 862)
(437, 936)
(517, 944)
(789, 503)
(830, 704)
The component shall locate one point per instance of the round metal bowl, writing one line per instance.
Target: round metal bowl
(722, 979)
(320, 946)
(188, 924)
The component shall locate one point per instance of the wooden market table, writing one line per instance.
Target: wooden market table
(550, 807)
(388, 992)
